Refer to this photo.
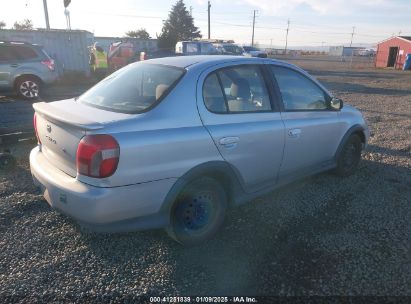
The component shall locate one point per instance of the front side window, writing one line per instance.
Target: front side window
(192, 48)
(233, 49)
(133, 89)
(242, 89)
(208, 48)
(298, 92)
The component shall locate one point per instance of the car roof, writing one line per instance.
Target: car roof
(191, 61)
(205, 61)
(17, 43)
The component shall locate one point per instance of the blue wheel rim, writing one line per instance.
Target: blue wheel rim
(194, 213)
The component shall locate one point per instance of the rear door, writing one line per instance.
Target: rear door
(236, 108)
(313, 129)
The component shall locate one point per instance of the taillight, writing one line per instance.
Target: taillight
(35, 128)
(49, 63)
(97, 155)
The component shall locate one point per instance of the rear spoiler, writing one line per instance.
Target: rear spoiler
(59, 116)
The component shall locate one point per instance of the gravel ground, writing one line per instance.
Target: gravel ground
(320, 236)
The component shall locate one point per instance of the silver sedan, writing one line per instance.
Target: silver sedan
(174, 142)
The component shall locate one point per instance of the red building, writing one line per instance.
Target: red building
(392, 52)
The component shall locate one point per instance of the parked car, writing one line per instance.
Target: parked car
(156, 54)
(195, 48)
(254, 52)
(173, 142)
(367, 52)
(229, 49)
(25, 68)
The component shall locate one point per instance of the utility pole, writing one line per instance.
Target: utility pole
(191, 11)
(252, 37)
(352, 35)
(286, 37)
(209, 6)
(46, 14)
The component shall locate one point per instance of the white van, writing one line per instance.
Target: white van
(195, 48)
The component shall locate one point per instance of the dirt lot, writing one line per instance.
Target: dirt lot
(320, 236)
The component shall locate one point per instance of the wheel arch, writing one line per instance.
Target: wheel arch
(355, 129)
(18, 77)
(218, 170)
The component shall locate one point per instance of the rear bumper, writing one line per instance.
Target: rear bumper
(133, 207)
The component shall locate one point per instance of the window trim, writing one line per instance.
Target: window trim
(152, 106)
(277, 88)
(260, 67)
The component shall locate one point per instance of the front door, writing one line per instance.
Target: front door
(313, 129)
(235, 107)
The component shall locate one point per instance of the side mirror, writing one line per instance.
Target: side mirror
(336, 104)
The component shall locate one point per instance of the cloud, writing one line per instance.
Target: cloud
(320, 6)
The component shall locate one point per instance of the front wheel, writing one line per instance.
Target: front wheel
(198, 212)
(349, 157)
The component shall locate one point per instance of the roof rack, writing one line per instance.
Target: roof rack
(16, 42)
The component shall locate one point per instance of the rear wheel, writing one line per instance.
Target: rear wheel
(198, 212)
(28, 87)
(349, 157)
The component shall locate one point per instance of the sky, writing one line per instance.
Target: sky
(312, 22)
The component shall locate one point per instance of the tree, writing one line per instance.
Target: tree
(2, 24)
(26, 24)
(179, 26)
(141, 33)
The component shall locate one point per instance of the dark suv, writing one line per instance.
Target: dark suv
(25, 68)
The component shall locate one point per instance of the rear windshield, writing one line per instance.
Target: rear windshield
(134, 89)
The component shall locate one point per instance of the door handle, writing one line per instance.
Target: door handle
(229, 142)
(294, 132)
(14, 65)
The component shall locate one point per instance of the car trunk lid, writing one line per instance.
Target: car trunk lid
(62, 124)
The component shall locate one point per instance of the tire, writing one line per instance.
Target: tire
(7, 162)
(198, 212)
(28, 87)
(349, 157)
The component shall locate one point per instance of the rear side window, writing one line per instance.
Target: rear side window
(213, 95)
(134, 89)
(24, 52)
(243, 89)
(7, 53)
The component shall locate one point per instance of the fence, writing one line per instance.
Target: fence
(68, 48)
